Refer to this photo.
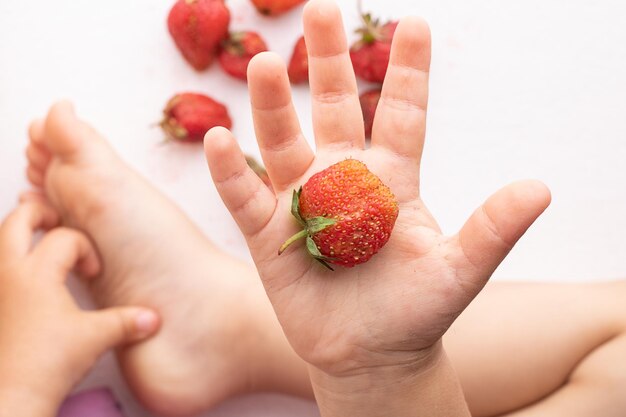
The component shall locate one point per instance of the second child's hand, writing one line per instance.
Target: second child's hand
(371, 327)
(47, 343)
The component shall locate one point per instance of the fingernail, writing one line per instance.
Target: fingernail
(146, 322)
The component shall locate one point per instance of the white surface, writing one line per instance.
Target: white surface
(518, 89)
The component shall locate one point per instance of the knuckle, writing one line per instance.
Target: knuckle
(124, 327)
(282, 143)
(334, 97)
(492, 227)
(113, 327)
(230, 179)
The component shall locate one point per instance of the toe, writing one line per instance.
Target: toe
(35, 131)
(33, 195)
(38, 156)
(63, 132)
(35, 176)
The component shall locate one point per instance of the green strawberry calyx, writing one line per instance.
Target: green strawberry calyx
(234, 43)
(173, 129)
(371, 31)
(310, 227)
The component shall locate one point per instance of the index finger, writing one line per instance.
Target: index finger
(17, 230)
(63, 249)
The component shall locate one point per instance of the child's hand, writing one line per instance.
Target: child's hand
(47, 343)
(384, 318)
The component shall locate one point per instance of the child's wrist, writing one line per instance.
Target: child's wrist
(379, 371)
(28, 388)
(26, 401)
(399, 390)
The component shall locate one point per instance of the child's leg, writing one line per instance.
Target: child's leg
(515, 345)
(543, 350)
(219, 331)
(596, 387)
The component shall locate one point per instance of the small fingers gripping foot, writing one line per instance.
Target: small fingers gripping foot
(123, 325)
(67, 249)
(17, 230)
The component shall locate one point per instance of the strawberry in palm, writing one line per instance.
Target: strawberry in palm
(346, 212)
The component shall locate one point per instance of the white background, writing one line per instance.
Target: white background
(519, 89)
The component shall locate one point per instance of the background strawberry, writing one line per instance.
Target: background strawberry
(238, 50)
(369, 103)
(370, 54)
(198, 27)
(188, 116)
(346, 212)
(299, 64)
(275, 7)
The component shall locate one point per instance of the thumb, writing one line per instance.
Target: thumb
(492, 231)
(124, 325)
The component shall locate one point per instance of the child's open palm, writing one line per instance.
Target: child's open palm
(395, 308)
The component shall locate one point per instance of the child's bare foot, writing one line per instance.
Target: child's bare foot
(154, 256)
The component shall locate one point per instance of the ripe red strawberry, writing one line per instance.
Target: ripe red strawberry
(369, 103)
(346, 212)
(188, 116)
(370, 55)
(198, 27)
(238, 50)
(259, 170)
(298, 69)
(275, 7)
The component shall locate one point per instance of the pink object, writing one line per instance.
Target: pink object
(98, 402)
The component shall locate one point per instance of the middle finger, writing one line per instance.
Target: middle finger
(337, 117)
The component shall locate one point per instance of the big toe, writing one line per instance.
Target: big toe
(65, 134)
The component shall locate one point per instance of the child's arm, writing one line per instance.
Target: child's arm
(371, 334)
(47, 343)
